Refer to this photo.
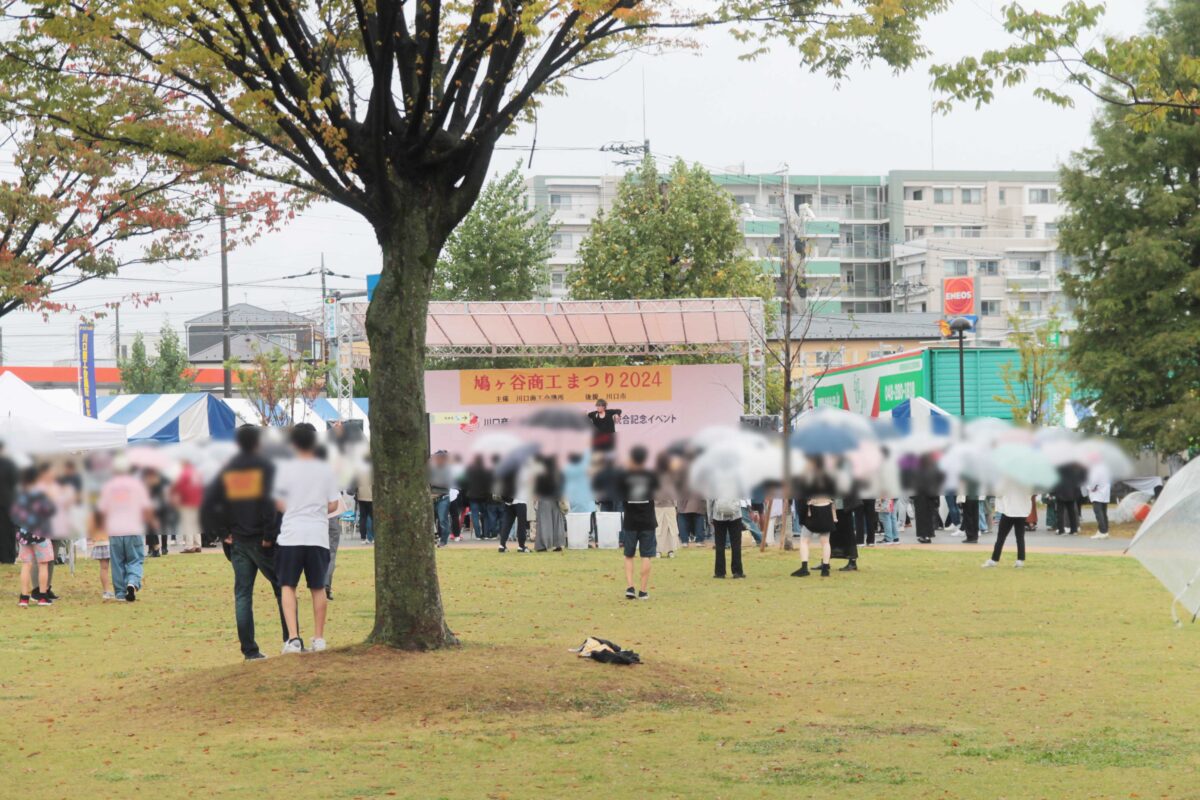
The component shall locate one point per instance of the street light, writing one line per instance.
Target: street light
(961, 325)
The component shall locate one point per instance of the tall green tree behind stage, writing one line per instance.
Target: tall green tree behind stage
(393, 110)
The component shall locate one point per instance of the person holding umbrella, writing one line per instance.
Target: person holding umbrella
(1012, 501)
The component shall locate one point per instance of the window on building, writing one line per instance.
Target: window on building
(743, 199)
(827, 358)
(957, 266)
(562, 241)
(945, 231)
(1065, 262)
(1029, 265)
(914, 194)
(972, 232)
(1041, 196)
(1030, 227)
(1003, 197)
(988, 267)
(561, 200)
(1051, 229)
(803, 200)
(943, 197)
(1030, 306)
(557, 280)
(972, 197)
(912, 232)
(989, 308)
(885, 351)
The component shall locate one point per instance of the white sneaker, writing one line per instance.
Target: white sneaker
(954, 534)
(1099, 535)
(989, 563)
(1019, 564)
(318, 645)
(108, 596)
(293, 646)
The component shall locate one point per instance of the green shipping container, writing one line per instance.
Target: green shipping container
(875, 387)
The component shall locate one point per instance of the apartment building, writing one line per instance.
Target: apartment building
(874, 244)
(1000, 228)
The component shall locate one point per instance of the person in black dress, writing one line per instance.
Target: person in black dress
(604, 422)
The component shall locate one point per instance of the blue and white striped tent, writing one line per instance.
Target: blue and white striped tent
(168, 418)
(926, 414)
(326, 409)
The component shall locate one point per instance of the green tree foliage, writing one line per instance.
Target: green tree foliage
(675, 235)
(393, 110)
(168, 372)
(1145, 73)
(1038, 383)
(1133, 226)
(499, 250)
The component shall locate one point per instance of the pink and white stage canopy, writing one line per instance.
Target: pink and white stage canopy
(592, 324)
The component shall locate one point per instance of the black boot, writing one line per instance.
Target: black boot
(802, 572)
(850, 567)
(824, 570)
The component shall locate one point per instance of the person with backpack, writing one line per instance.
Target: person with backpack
(31, 512)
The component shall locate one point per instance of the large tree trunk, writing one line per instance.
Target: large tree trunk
(408, 600)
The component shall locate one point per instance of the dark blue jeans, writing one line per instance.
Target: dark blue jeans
(441, 514)
(248, 559)
(691, 528)
(493, 519)
(479, 517)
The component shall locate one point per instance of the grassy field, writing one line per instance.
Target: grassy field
(920, 676)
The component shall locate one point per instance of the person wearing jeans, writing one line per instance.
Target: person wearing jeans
(441, 513)
(126, 511)
(441, 478)
(887, 518)
(250, 557)
(953, 515)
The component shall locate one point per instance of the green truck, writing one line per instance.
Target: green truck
(875, 387)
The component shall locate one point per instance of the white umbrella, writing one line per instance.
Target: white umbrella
(500, 444)
(1167, 544)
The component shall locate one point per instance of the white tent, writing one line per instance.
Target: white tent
(1167, 543)
(73, 432)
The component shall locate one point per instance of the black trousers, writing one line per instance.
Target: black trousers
(866, 523)
(728, 530)
(970, 522)
(926, 510)
(1017, 526)
(1101, 512)
(366, 518)
(8, 538)
(1068, 514)
(519, 513)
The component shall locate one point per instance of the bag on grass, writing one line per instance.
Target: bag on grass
(606, 652)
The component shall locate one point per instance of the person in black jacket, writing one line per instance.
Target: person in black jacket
(604, 424)
(477, 486)
(239, 506)
(8, 491)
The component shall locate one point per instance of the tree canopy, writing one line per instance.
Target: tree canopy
(1132, 223)
(168, 372)
(666, 236)
(1147, 73)
(499, 250)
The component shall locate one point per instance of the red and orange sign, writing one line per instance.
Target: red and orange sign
(958, 296)
(564, 384)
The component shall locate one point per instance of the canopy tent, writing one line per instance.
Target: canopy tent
(1167, 544)
(168, 418)
(928, 417)
(248, 411)
(20, 404)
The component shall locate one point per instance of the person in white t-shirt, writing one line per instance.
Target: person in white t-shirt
(1013, 501)
(306, 492)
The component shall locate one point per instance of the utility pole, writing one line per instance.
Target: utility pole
(324, 320)
(226, 354)
(117, 344)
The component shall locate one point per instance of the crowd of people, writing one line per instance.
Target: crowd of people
(280, 515)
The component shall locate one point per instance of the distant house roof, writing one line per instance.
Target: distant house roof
(904, 325)
(243, 315)
(242, 346)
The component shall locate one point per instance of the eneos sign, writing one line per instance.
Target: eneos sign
(958, 296)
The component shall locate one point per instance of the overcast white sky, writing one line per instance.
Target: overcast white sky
(707, 107)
